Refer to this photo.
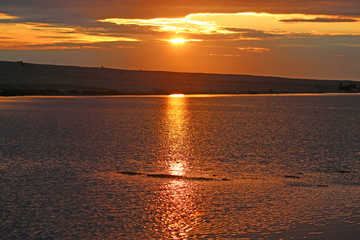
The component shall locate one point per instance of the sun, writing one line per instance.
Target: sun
(178, 40)
(177, 95)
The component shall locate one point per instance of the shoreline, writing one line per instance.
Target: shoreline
(187, 95)
(79, 93)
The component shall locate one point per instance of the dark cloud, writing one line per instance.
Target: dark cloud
(43, 12)
(323, 20)
(8, 20)
(252, 33)
(179, 8)
(122, 30)
(83, 11)
(104, 27)
(68, 45)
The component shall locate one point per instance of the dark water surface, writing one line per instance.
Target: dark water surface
(195, 167)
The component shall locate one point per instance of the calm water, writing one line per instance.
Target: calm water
(249, 166)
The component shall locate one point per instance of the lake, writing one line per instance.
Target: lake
(201, 166)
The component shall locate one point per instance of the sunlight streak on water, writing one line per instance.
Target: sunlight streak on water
(173, 209)
(175, 124)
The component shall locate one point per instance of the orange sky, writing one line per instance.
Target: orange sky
(315, 39)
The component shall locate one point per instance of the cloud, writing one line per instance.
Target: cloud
(298, 45)
(157, 19)
(254, 49)
(67, 46)
(25, 35)
(219, 28)
(234, 26)
(241, 52)
(350, 45)
(82, 11)
(319, 19)
(188, 27)
(254, 34)
(183, 25)
(222, 55)
(4, 16)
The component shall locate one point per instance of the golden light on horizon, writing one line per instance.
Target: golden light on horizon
(177, 95)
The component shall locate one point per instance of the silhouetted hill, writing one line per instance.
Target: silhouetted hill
(19, 78)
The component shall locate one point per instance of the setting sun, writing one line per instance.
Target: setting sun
(177, 40)
(182, 40)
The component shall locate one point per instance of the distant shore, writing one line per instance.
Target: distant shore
(25, 79)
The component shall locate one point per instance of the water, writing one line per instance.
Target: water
(180, 168)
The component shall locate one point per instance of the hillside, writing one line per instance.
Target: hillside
(19, 78)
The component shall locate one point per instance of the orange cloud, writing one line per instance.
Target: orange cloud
(4, 16)
(211, 23)
(320, 19)
(254, 49)
(46, 36)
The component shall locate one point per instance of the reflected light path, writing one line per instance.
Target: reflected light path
(177, 147)
(173, 208)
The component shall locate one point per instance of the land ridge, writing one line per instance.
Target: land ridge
(20, 78)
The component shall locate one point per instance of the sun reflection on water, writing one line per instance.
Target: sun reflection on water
(173, 208)
(175, 211)
(177, 168)
(177, 147)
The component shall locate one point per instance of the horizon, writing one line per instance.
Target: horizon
(307, 40)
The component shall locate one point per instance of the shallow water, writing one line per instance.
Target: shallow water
(193, 167)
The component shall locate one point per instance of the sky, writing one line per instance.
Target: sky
(317, 39)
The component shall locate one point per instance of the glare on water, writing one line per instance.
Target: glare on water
(175, 124)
